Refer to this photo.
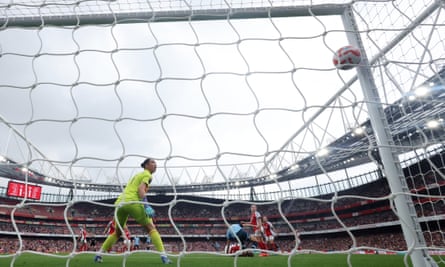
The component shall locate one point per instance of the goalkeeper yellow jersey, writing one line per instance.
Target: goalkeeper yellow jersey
(130, 192)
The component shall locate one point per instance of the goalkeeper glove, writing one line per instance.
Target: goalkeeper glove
(149, 211)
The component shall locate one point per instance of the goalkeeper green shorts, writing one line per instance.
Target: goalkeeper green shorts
(135, 211)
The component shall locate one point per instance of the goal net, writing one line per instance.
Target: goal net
(239, 102)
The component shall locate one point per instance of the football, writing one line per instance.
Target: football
(347, 57)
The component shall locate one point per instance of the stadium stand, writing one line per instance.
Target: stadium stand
(43, 228)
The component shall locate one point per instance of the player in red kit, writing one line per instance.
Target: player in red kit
(127, 240)
(257, 225)
(83, 245)
(111, 228)
(269, 234)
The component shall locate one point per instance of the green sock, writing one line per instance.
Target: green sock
(157, 241)
(109, 242)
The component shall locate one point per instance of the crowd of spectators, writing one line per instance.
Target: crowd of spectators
(202, 225)
(392, 241)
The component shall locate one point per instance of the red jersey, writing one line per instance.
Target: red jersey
(111, 227)
(268, 229)
(83, 235)
(234, 248)
(254, 220)
(127, 233)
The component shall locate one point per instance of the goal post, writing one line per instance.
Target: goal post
(386, 147)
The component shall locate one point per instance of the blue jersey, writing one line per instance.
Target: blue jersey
(233, 230)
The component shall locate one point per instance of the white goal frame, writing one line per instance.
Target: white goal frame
(391, 164)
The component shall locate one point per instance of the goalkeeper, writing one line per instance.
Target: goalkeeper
(136, 190)
(236, 233)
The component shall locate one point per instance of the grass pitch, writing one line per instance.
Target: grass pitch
(140, 259)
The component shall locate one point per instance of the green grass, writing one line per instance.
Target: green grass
(140, 259)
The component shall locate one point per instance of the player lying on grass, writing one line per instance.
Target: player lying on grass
(234, 235)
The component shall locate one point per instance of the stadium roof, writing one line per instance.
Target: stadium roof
(412, 120)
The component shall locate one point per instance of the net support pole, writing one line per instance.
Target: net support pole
(402, 200)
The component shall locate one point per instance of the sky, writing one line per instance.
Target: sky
(209, 100)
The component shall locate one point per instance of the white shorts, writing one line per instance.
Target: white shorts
(258, 233)
(269, 238)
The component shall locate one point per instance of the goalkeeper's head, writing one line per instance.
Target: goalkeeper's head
(149, 164)
(147, 160)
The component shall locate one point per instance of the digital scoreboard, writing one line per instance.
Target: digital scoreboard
(16, 189)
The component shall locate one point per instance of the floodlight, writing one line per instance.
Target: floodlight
(359, 131)
(422, 91)
(322, 152)
(432, 124)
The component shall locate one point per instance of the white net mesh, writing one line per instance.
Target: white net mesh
(235, 101)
